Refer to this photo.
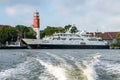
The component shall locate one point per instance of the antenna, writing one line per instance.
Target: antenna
(97, 29)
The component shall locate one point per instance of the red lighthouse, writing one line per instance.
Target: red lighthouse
(36, 24)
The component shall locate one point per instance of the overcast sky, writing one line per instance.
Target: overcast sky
(90, 15)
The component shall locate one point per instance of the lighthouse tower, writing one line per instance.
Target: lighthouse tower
(36, 24)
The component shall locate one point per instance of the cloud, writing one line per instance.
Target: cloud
(113, 24)
(86, 14)
(19, 10)
(66, 7)
(91, 13)
(27, 2)
(20, 14)
(10, 11)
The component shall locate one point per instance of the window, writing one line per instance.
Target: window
(92, 39)
(63, 38)
(76, 39)
(100, 40)
(83, 43)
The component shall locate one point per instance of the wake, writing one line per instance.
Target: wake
(70, 70)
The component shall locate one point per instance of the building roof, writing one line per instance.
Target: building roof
(105, 36)
(96, 34)
(109, 35)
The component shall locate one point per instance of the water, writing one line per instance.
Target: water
(60, 64)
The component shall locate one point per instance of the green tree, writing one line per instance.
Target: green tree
(23, 29)
(74, 29)
(67, 27)
(117, 43)
(42, 34)
(31, 33)
(118, 38)
(8, 33)
(51, 30)
(99, 35)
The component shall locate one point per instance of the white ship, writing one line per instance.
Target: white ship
(67, 40)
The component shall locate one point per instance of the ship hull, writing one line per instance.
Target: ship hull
(50, 46)
(15, 47)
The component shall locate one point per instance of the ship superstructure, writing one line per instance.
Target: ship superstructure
(73, 39)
